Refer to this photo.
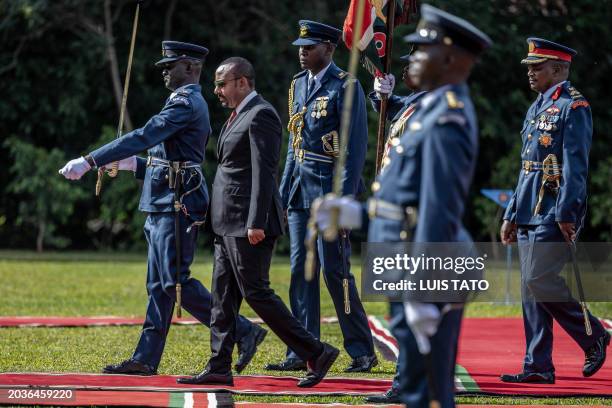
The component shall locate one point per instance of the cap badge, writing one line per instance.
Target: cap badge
(531, 46)
(304, 31)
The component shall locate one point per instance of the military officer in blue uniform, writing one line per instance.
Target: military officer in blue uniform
(316, 98)
(176, 140)
(549, 206)
(421, 193)
(399, 111)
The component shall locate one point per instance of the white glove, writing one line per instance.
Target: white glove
(423, 319)
(74, 169)
(128, 163)
(349, 216)
(384, 85)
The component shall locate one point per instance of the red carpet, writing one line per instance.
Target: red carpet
(242, 384)
(490, 347)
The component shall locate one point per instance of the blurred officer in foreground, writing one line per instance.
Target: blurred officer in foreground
(316, 99)
(549, 206)
(399, 111)
(176, 140)
(420, 195)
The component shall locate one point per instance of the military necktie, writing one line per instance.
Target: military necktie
(311, 85)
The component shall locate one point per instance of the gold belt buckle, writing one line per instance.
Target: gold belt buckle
(372, 207)
(527, 166)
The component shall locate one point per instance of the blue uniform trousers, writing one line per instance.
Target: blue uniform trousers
(543, 256)
(413, 368)
(161, 280)
(304, 296)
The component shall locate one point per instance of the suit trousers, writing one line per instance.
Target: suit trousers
(545, 295)
(161, 280)
(241, 270)
(414, 368)
(304, 296)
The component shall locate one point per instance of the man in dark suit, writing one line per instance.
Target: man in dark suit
(246, 218)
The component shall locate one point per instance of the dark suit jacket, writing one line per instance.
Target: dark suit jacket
(245, 190)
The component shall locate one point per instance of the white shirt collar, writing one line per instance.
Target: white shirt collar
(246, 100)
(319, 75)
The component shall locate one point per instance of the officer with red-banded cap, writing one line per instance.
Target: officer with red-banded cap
(549, 206)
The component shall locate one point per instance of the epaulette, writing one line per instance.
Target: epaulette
(452, 117)
(574, 93)
(181, 96)
(346, 77)
(301, 73)
(452, 101)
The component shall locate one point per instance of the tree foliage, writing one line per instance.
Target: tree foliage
(62, 65)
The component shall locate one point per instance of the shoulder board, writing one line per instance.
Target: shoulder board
(451, 117)
(181, 97)
(348, 81)
(582, 102)
(342, 74)
(301, 73)
(574, 93)
(452, 101)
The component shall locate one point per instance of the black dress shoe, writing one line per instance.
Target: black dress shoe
(208, 377)
(290, 364)
(596, 355)
(247, 346)
(532, 378)
(131, 367)
(389, 397)
(362, 364)
(318, 367)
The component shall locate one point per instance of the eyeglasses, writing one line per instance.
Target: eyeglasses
(222, 82)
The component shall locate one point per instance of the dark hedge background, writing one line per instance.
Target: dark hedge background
(62, 64)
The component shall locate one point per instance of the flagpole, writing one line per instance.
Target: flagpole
(382, 113)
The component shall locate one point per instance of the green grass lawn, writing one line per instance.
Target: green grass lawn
(88, 284)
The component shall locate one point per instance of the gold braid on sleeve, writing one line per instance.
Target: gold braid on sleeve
(296, 120)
